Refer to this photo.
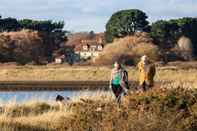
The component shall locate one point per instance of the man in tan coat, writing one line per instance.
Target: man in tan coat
(147, 72)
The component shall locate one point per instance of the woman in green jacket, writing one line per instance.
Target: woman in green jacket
(117, 81)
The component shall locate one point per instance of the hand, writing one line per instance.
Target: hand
(110, 86)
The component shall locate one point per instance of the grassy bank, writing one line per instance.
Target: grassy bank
(154, 110)
(179, 72)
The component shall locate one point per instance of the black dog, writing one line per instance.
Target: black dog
(61, 101)
(59, 98)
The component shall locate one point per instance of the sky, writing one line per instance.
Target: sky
(86, 15)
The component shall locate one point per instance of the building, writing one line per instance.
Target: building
(60, 59)
(89, 46)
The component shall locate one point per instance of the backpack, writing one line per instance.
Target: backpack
(125, 79)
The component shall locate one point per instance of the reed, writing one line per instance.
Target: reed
(160, 109)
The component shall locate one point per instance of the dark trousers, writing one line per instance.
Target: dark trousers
(117, 90)
(144, 86)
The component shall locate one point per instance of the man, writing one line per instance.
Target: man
(147, 72)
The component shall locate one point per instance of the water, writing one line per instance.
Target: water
(23, 96)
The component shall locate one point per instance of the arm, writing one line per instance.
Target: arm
(111, 77)
(153, 70)
(139, 66)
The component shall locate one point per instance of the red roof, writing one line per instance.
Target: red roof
(79, 41)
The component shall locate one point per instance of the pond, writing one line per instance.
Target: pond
(23, 96)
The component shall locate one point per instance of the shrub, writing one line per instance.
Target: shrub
(128, 50)
(185, 47)
(22, 47)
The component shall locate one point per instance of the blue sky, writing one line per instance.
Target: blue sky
(85, 15)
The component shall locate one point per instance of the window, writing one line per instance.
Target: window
(85, 47)
(100, 47)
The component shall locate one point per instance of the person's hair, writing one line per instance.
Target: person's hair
(117, 62)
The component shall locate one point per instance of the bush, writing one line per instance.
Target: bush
(185, 48)
(22, 47)
(128, 50)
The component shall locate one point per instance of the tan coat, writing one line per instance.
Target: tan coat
(147, 73)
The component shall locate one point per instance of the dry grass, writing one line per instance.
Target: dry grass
(172, 73)
(41, 116)
(170, 108)
(157, 109)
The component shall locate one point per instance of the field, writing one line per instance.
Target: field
(171, 106)
(173, 72)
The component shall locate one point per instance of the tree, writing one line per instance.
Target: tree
(9, 24)
(52, 33)
(45, 26)
(165, 33)
(26, 46)
(188, 28)
(92, 34)
(125, 22)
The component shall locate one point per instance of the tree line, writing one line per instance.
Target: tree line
(46, 27)
(164, 32)
(167, 32)
(45, 34)
(12, 24)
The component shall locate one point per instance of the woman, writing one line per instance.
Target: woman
(117, 78)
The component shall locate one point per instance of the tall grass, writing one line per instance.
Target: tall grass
(43, 116)
(159, 109)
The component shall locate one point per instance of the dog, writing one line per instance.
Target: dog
(61, 101)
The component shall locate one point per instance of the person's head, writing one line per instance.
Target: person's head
(144, 58)
(117, 65)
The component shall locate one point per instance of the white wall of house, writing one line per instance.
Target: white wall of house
(58, 60)
(88, 54)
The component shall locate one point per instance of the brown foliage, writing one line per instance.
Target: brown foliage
(128, 50)
(185, 48)
(23, 46)
(157, 109)
(74, 39)
(185, 44)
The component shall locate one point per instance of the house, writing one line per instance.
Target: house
(65, 55)
(60, 59)
(89, 48)
(87, 45)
